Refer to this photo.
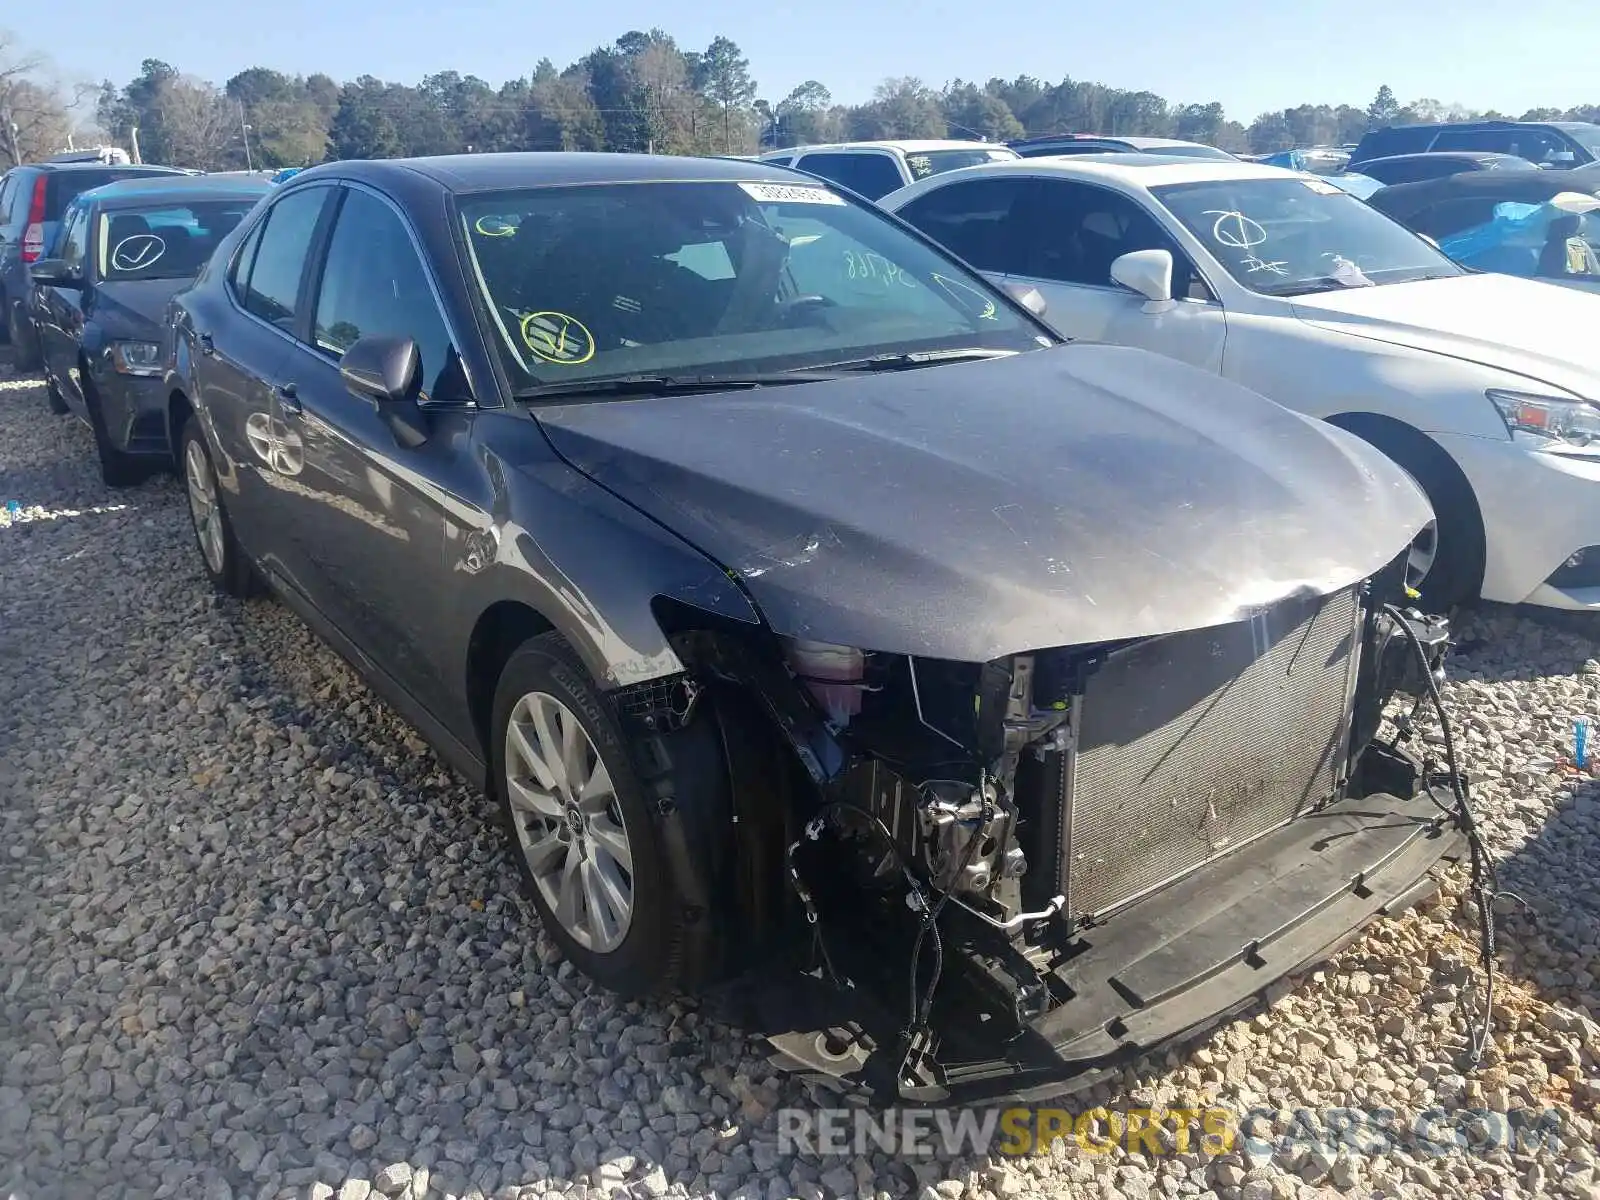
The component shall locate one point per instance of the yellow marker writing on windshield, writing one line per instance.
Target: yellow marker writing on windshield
(494, 227)
(557, 337)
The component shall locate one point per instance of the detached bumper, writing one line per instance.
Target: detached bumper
(1539, 509)
(1188, 957)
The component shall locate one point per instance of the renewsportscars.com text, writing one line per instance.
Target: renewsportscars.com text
(1202, 1129)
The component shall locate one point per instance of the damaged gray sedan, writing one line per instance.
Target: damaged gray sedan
(967, 712)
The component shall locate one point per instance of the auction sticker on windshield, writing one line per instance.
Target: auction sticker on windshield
(1322, 187)
(781, 193)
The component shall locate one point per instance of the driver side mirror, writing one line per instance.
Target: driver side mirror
(387, 373)
(1030, 297)
(55, 272)
(1147, 272)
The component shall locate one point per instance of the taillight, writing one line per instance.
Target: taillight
(33, 236)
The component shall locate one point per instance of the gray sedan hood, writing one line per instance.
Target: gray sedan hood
(1058, 497)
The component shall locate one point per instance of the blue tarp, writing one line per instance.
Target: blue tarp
(1511, 242)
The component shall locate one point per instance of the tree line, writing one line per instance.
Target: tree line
(641, 93)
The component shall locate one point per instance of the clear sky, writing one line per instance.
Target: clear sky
(1253, 55)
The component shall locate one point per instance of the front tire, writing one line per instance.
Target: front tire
(1453, 545)
(589, 843)
(224, 561)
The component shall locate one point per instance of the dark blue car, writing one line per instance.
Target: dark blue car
(124, 250)
(33, 198)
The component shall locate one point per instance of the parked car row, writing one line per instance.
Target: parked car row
(819, 617)
(100, 301)
(33, 198)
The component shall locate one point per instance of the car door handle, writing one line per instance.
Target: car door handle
(207, 347)
(289, 398)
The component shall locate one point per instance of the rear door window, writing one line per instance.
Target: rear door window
(977, 220)
(271, 290)
(1535, 145)
(867, 173)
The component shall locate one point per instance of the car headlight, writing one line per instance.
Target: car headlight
(136, 358)
(1571, 422)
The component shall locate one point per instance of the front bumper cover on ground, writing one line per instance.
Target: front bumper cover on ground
(1164, 969)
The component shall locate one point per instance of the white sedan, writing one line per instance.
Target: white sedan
(1486, 388)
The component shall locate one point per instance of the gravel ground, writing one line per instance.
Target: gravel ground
(256, 941)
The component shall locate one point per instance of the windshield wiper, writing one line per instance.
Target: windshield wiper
(664, 385)
(920, 358)
(1323, 283)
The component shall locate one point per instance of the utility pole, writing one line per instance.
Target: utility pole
(133, 137)
(244, 131)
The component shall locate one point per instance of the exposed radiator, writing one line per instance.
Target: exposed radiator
(1192, 744)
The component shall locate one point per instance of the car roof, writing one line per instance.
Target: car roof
(1487, 124)
(1135, 141)
(1532, 187)
(1450, 156)
(1143, 170)
(69, 167)
(907, 146)
(534, 168)
(174, 188)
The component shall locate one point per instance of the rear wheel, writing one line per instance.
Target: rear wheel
(589, 835)
(220, 553)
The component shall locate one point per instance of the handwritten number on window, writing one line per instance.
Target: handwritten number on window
(876, 267)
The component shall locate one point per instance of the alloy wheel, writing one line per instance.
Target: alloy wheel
(568, 822)
(204, 508)
(1422, 554)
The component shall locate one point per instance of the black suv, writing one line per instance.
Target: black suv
(1547, 143)
(32, 199)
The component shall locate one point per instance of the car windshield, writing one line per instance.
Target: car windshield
(1292, 236)
(165, 241)
(935, 162)
(716, 279)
